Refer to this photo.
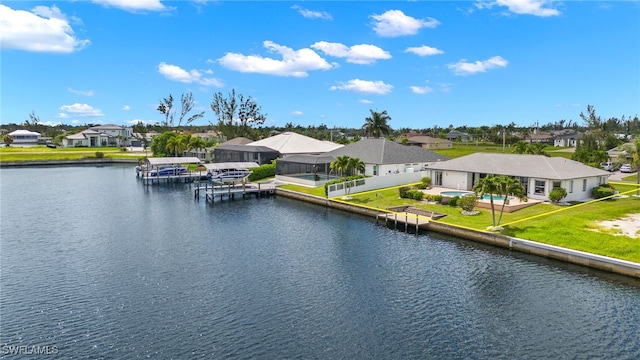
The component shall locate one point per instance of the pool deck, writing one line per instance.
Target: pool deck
(513, 205)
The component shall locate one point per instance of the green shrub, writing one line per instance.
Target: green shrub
(601, 191)
(263, 171)
(99, 155)
(403, 191)
(557, 194)
(453, 202)
(467, 203)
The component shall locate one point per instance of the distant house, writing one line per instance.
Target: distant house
(455, 135)
(24, 137)
(430, 143)
(538, 174)
(100, 136)
(539, 137)
(567, 140)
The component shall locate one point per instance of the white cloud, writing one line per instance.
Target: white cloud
(81, 110)
(312, 14)
(145, 122)
(294, 62)
(50, 123)
(126, 108)
(463, 67)
(424, 50)
(395, 23)
(44, 29)
(297, 113)
(62, 116)
(356, 54)
(364, 87)
(365, 101)
(421, 89)
(542, 8)
(81, 92)
(176, 73)
(133, 6)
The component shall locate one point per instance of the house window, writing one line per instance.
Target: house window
(557, 184)
(584, 184)
(571, 186)
(375, 170)
(539, 187)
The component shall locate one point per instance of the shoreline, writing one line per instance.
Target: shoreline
(66, 162)
(575, 257)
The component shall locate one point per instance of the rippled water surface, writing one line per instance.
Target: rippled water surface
(100, 266)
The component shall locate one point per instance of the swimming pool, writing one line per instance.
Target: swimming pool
(456, 193)
(466, 193)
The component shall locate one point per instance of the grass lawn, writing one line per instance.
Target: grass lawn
(461, 149)
(567, 226)
(317, 191)
(43, 153)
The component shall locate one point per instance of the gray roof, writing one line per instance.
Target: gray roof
(308, 159)
(247, 148)
(532, 166)
(383, 151)
(237, 141)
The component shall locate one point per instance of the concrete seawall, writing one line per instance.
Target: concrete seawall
(67, 162)
(594, 261)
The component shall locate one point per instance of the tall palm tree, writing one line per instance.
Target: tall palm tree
(508, 186)
(340, 164)
(173, 145)
(355, 166)
(488, 185)
(376, 124)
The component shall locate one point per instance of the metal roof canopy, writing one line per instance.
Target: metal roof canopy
(231, 165)
(172, 160)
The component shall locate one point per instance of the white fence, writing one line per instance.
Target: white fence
(373, 183)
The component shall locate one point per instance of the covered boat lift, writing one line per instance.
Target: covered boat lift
(149, 171)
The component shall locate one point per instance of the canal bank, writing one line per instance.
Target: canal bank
(90, 161)
(576, 257)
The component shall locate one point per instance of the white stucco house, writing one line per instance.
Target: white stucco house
(538, 174)
(100, 136)
(24, 137)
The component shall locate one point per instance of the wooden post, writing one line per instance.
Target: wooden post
(406, 221)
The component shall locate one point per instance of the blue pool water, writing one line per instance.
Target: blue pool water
(466, 193)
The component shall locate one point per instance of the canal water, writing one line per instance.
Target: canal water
(96, 265)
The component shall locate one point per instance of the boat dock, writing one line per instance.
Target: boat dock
(230, 191)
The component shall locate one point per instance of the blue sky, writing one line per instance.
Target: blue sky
(427, 63)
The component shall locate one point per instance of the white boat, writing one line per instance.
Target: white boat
(229, 172)
(228, 175)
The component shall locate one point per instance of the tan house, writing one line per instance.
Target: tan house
(430, 143)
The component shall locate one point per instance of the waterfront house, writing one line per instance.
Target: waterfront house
(24, 137)
(381, 157)
(245, 153)
(385, 157)
(100, 136)
(289, 143)
(538, 174)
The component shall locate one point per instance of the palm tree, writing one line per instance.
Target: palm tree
(376, 124)
(355, 165)
(488, 185)
(340, 164)
(508, 186)
(520, 147)
(173, 145)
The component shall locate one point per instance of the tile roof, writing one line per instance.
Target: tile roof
(532, 166)
(294, 143)
(383, 151)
